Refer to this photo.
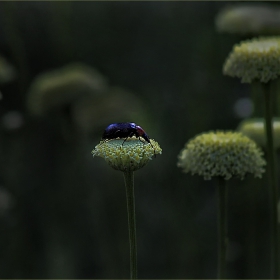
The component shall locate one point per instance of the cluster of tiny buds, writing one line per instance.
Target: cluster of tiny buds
(126, 147)
(222, 154)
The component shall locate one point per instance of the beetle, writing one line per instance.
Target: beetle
(125, 130)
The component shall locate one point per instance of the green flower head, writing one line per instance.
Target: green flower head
(221, 154)
(256, 59)
(129, 155)
(260, 19)
(254, 129)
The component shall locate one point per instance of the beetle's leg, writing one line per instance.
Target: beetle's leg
(130, 135)
(140, 139)
(124, 140)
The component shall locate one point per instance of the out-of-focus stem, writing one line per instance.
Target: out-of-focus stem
(222, 228)
(272, 176)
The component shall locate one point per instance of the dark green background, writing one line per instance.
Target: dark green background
(63, 213)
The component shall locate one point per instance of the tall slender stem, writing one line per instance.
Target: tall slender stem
(222, 228)
(272, 177)
(129, 185)
(257, 100)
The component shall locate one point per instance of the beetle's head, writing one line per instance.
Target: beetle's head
(141, 132)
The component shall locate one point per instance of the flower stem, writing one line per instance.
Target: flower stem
(272, 177)
(129, 185)
(222, 228)
(257, 99)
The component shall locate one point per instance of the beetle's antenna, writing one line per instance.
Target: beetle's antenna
(154, 150)
(149, 143)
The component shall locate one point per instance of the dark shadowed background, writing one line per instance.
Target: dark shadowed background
(62, 212)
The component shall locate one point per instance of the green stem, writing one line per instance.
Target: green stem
(257, 100)
(222, 229)
(272, 176)
(129, 185)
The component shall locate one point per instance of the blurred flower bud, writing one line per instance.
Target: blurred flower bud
(249, 19)
(256, 59)
(63, 87)
(254, 129)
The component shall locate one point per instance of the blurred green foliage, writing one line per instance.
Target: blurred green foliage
(62, 213)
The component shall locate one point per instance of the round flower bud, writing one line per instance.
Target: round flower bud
(129, 155)
(254, 129)
(256, 59)
(221, 154)
(63, 87)
(249, 19)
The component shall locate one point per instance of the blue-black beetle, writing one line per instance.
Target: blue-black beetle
(125, 130)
